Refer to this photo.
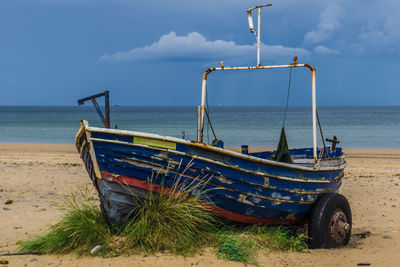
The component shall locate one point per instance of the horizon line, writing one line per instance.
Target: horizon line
(187, 106)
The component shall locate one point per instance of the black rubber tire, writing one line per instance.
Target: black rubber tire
(318, 224)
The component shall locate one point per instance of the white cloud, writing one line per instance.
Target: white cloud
(195, 47)
(325, 50)
(381, 36)
(328, 25)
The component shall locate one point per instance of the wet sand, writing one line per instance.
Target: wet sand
(36, 176)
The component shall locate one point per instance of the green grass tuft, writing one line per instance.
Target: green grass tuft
(171, 221)
(81, 228)
(235, 246)
(277, 238)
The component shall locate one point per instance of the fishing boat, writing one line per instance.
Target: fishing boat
(285, 186)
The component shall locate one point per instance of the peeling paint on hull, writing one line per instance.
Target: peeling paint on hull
(239, 187)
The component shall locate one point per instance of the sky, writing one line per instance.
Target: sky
(153, 53)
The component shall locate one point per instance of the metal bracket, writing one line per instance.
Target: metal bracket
(334, 141)
(106, 119)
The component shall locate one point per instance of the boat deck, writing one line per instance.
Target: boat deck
(300, 156)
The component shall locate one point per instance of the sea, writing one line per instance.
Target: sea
(355, 127)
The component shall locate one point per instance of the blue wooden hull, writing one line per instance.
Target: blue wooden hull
(243, 188)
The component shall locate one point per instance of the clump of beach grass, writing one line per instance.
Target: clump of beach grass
(242, 243)
(174, 220)
(170, 220)
(81, 227)
(235, 246)
(278, 238)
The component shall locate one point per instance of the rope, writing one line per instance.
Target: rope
(322, 135)
(287, 97)
(212, 129)
(209, 121)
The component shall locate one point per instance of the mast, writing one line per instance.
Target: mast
(251, 26)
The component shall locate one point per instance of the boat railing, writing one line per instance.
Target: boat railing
(202, 108)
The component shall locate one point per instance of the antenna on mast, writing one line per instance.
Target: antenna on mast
(251, 26)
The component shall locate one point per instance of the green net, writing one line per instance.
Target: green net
(282, 152)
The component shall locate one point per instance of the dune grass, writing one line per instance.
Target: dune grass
(172, 222)
(81, 226)
(242, 243)
(278, 238)
(236, 246)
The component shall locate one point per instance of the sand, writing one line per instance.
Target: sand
(36, 176)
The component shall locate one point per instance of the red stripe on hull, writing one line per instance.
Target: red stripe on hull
(149, 186)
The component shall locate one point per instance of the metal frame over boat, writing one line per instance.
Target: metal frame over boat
(242, 187)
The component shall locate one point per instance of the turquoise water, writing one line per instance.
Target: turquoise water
(356, 127)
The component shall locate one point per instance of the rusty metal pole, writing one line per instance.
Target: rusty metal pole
(314, 117)
(107, 108)
(203, 105)
(201, 112)
(198, 123)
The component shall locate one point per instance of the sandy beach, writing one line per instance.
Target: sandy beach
(35, 177)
